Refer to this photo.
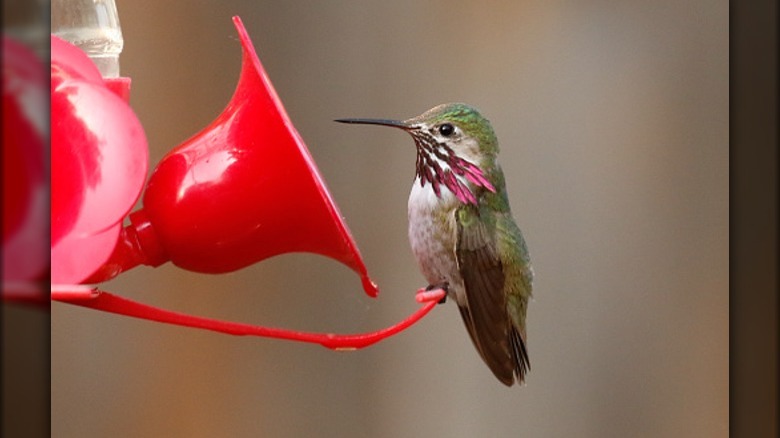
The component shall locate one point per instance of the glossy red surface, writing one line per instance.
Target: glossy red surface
(99, 160)
(245, 189)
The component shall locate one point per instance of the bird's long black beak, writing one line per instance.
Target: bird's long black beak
(382, 122)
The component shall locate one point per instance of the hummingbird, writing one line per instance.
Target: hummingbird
(463, 235)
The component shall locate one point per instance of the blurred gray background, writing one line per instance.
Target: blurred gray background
(613, 122)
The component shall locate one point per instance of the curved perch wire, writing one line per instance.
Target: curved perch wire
(100, 300)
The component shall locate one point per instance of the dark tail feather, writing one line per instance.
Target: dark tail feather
(520, 355)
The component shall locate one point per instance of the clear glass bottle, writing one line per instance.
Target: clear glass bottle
(93, 26)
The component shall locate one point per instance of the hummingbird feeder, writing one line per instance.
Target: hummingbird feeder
(219, 202)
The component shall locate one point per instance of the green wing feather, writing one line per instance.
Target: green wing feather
(493, 261)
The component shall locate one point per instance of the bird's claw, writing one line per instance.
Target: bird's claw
(432, 293)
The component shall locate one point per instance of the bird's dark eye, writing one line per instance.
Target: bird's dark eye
(446, 129)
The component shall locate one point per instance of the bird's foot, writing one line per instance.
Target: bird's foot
(432, 293)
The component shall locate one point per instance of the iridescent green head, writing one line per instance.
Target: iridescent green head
(457, 124)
